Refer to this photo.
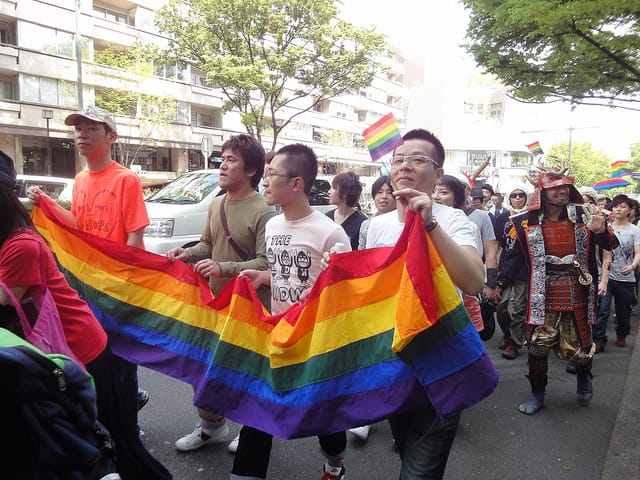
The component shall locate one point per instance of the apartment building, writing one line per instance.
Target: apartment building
(47, 70)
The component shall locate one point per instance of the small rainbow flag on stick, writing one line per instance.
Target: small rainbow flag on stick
(620, 168)
(535, 148)
(382, 137)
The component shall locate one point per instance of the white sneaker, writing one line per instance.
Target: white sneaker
(361, 432)
(233, 444)
(201, 437)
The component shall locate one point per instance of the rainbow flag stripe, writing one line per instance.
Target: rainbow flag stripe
(610, 183)
(382, 137)
(379, 333)
(535, 148)
(620, 168)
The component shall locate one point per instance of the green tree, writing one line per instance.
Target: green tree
(127, 69)
(272, 59)
(582, 51)
(587, 165)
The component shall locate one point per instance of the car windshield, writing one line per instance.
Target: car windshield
(189, 188)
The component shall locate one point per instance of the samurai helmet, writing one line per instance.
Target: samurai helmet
(543, 178)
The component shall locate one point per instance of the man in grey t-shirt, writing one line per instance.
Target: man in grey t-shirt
(624, 261)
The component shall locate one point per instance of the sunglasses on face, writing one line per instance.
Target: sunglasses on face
(517, 195)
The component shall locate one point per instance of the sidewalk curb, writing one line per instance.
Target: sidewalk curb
(623, 455)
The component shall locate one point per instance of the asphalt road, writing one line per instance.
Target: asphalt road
(564, 441)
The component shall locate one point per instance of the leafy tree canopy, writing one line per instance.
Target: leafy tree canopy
(127, 68)
(582, 51)
(268, 55)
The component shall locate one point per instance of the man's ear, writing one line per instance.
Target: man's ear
(298, 184)
(112, 136)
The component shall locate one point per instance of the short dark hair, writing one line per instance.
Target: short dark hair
(422, 134)
(349, 186)
(622, 198)
(300, 161)
(380, 181)
(251, 151)
(458, 189)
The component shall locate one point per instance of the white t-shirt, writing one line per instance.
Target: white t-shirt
(294, 251)
(385, 229)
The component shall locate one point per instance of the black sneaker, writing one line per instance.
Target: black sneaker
(143, 399)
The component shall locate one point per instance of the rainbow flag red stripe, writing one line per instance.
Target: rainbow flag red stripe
(379, 333)
(382, 137)
(620, 168)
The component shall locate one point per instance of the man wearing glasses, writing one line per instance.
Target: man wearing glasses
(296, 241)
(423, 438)
(232, 241)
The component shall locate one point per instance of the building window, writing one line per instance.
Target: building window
(6, 88)
(48, 91)
(199, 80)
(173, 71)
(322, 107)
(116, 101)
(112, 15)
(318, 135)
(46, 40)
(8, 33)
(145, 19)
(182, 113)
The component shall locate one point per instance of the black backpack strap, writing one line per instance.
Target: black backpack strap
(225, 225)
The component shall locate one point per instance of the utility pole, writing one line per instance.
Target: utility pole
(48, 115)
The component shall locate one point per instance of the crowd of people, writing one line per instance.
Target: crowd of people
(543, 261)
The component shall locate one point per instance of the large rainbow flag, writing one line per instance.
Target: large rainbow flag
(379, 333)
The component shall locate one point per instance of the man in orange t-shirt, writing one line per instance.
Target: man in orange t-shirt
(108, 202)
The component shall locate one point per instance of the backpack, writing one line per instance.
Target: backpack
(49, 416)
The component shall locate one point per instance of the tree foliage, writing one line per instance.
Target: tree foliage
(127, 68)
(267, 56)
(582, 51)
(587, 165)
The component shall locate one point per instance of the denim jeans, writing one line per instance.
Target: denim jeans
(623, 294)
(424, 441)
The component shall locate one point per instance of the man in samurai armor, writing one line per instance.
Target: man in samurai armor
(556, 237)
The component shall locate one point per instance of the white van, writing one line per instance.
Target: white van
(177, 211)
(58, 188)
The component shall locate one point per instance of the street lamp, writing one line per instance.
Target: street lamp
(48, 115)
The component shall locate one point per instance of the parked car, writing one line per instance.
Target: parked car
(177, 211)
(58, 188)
